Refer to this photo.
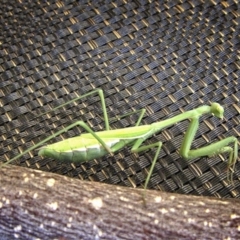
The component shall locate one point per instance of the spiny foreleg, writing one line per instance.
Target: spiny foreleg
(210, 150)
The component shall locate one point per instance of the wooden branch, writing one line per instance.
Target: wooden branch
(44, 205)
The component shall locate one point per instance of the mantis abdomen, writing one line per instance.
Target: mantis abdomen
(86, 147)
(85, 151)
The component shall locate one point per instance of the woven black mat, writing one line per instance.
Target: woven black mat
(165, 56)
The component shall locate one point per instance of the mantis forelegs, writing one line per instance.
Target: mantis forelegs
(210, 150)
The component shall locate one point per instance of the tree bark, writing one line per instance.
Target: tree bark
(42, 205)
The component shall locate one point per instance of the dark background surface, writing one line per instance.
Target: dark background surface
(165, 56)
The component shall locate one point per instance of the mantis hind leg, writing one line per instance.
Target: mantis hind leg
(210, 150)
(101, 96)
(78, 123)
(136, 148)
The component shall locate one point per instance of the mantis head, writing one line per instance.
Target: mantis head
(217, 110)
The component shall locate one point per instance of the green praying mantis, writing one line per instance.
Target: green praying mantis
(93, 144)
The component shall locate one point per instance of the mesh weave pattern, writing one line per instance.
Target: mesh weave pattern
(167, 57)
